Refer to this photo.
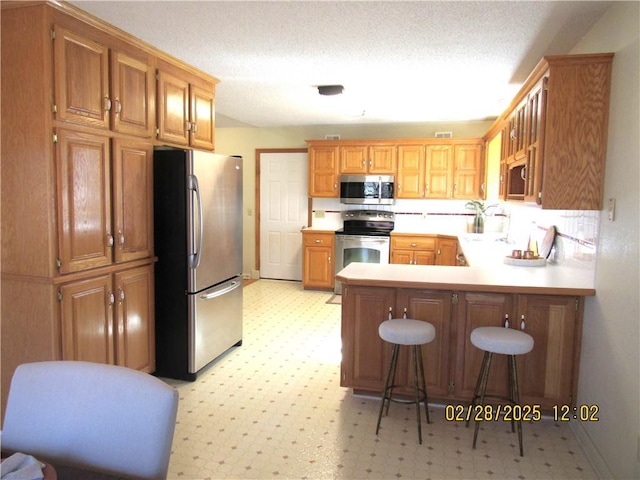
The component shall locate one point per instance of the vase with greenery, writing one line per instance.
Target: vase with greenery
(480, 210)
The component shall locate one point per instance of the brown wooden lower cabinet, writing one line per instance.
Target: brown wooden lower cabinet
(318, 264)
(547, 374)
(110, 319)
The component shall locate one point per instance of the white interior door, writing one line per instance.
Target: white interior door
(283, 212)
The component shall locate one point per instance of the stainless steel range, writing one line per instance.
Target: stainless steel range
(365, 237)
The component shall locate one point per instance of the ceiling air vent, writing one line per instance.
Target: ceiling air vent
(444, 134)
(332, 137)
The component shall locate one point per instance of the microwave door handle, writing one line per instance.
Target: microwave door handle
(379, 190)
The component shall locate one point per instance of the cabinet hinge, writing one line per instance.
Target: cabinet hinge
(53, 34)
(55, 138)
(59, 296)
(452, 386)
(454, 299)
(58, 263)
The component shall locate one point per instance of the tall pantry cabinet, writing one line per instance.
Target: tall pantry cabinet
(79, 125)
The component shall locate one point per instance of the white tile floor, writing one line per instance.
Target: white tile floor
(273, 409)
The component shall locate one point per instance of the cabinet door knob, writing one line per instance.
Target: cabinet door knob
(404, 314)
(118, 105)
(109, 240)
(120, 238)
(107, 104)
(390, 313)
(522, 325)
(506, 320)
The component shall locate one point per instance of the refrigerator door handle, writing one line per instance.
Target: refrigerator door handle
(218, 293)
(194, 256)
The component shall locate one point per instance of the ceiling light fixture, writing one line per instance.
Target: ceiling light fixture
(330, 89)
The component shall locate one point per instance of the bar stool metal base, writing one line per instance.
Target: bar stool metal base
(419, 387)
(513, 399)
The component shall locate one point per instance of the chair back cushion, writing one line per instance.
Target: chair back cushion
(88, 415)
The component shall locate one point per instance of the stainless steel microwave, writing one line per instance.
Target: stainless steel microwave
(367, 189)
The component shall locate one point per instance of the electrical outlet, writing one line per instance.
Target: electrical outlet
(318, 214)
(611, 209)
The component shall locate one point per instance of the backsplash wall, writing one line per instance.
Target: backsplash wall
(575, 244)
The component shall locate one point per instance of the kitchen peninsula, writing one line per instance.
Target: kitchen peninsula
(546, 302)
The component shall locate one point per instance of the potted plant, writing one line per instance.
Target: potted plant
(480, 210)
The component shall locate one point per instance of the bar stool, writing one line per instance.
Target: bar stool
(504, 341)
(414, 333)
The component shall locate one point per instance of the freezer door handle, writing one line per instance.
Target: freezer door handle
(194, 256)
(222, 291)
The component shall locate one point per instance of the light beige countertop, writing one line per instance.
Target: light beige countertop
(486, 273)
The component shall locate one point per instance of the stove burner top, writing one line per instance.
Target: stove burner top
(367, 222)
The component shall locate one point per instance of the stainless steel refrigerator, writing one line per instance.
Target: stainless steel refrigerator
(198, 275)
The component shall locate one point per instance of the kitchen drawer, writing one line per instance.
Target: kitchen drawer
(318, 239)
(419, 242)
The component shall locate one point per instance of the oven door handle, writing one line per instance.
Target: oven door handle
(362, 240)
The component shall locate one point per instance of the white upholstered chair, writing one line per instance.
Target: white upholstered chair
(102, 418)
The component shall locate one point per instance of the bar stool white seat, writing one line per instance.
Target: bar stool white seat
(503, 341)
(413, 333)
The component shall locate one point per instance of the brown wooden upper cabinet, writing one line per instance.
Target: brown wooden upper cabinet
(554, 134)
(424, 168)
(447, 170)
(186, 108)
(363, 158)
(102, 87)
(411, 171)
(105, 213)
(323, 170)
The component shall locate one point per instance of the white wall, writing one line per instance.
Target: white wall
(610, 362)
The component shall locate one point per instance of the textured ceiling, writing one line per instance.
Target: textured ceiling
(399, 62)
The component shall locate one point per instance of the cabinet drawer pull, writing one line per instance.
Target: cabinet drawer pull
(414, 244)
(107, 104)
(118, 105)
(318, 241)
(523, 173)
